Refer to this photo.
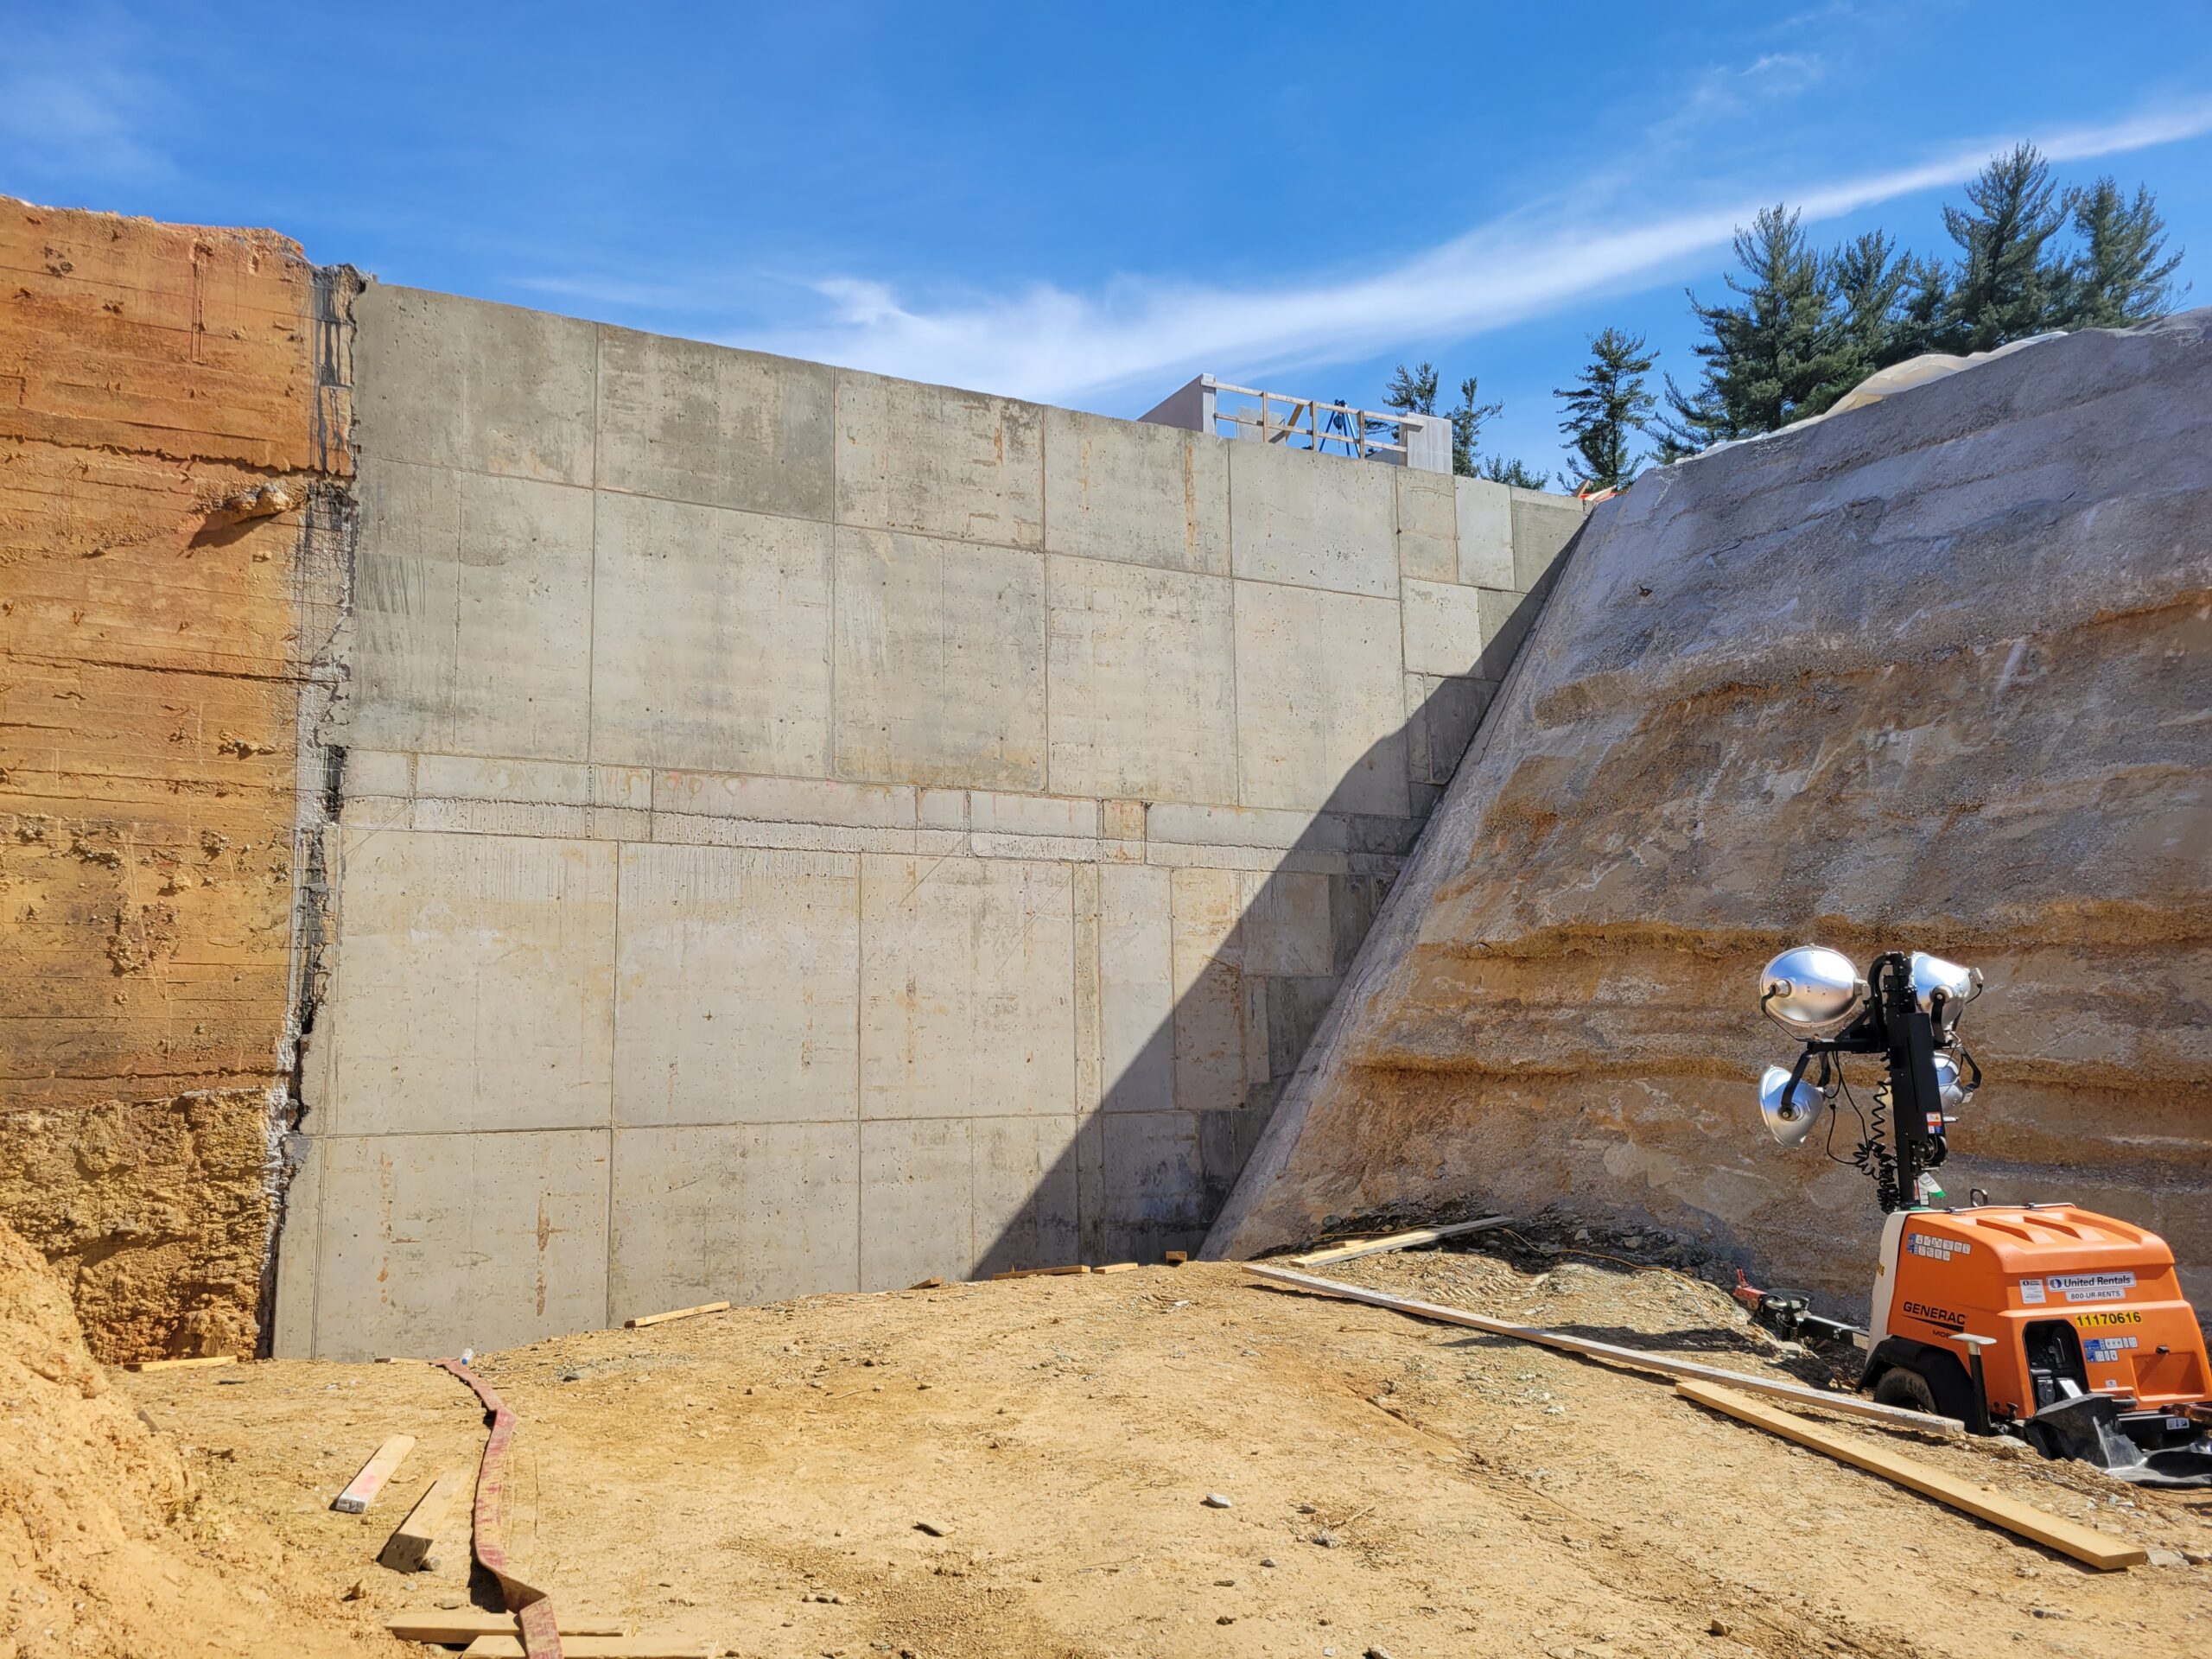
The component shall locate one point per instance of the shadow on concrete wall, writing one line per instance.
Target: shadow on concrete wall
(1127, 1191)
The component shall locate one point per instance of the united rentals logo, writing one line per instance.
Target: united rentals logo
(1936, 1315)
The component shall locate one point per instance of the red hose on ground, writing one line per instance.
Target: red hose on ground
(532, 1608)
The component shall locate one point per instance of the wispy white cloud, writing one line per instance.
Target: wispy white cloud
(1048, 342)
(70, 107)
(1725, 91)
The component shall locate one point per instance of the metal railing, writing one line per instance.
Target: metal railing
(1309, 423)
(1390, 436)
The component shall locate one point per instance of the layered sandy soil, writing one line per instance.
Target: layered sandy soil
(110, 1544)
(761, 1481)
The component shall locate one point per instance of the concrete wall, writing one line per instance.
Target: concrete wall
(807, 831)
(157, 642)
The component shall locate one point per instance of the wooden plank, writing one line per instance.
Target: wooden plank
(408, 1549)
(451, 1626)
(590, 1647)
(1635, 1358)
(2068, 1537)
(362, 1489)
(180, 1364)
(1040, 1273)
(645, 1320)
(1119, 1266)
(1176, 1258)
(1351, 1247)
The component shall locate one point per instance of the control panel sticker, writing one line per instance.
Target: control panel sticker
(2102, 1351)
(2092, 1286)
(1938, 1249)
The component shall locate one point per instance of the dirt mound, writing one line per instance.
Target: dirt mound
(105, 1547)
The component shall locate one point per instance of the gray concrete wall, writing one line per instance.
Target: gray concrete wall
(806, 831)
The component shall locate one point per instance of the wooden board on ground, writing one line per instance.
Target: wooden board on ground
(1636, 1358)
(592, 1647)
(408, 1549)
(362, 1489)
(645, 1320)
(1407, 1241)
(1040, 1273)
(1119, 1266)
(2068, 1537)
(457, 1624)
(180, 1364)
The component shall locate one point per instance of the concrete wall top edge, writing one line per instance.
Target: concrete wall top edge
(376, 287)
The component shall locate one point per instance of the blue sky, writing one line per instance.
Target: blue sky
(1084, 204)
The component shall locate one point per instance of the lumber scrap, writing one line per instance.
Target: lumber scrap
(1119, 1266)
(1633, 1358)
(645, 1320)
(180, 1364)
(408, 1549)
(592, 1647)
(1040, 1273)
(454, 1627)
(1354, 1247)
(532, 1607)
(362, 1489)
(2068, 1537)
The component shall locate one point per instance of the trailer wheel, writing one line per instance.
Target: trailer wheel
(1903, 1386)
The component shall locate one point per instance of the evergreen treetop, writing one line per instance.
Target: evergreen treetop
(2118, 277)
(1608, 408)
(2007, 289)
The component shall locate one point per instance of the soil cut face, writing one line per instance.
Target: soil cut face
(109, 1545)
(1026, 1467)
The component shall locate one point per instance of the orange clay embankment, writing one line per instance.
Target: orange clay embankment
(172, 421)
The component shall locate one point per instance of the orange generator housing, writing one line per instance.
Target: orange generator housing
(2058, 1295)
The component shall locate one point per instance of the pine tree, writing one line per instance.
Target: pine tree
(2118, 278)
(1870, 281)
(1922, 309)
(1776, 357)
(1608, 409)
(2006, 288)
(1413, 391)
(1518, 473)
(1467, 427)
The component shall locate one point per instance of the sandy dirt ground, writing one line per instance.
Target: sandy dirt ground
(761, 1481)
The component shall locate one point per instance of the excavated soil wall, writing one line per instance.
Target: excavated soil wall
(1930, 674)
(172, 420)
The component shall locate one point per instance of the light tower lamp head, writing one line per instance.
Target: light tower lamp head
(1789, 1113)
(1811, 991)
